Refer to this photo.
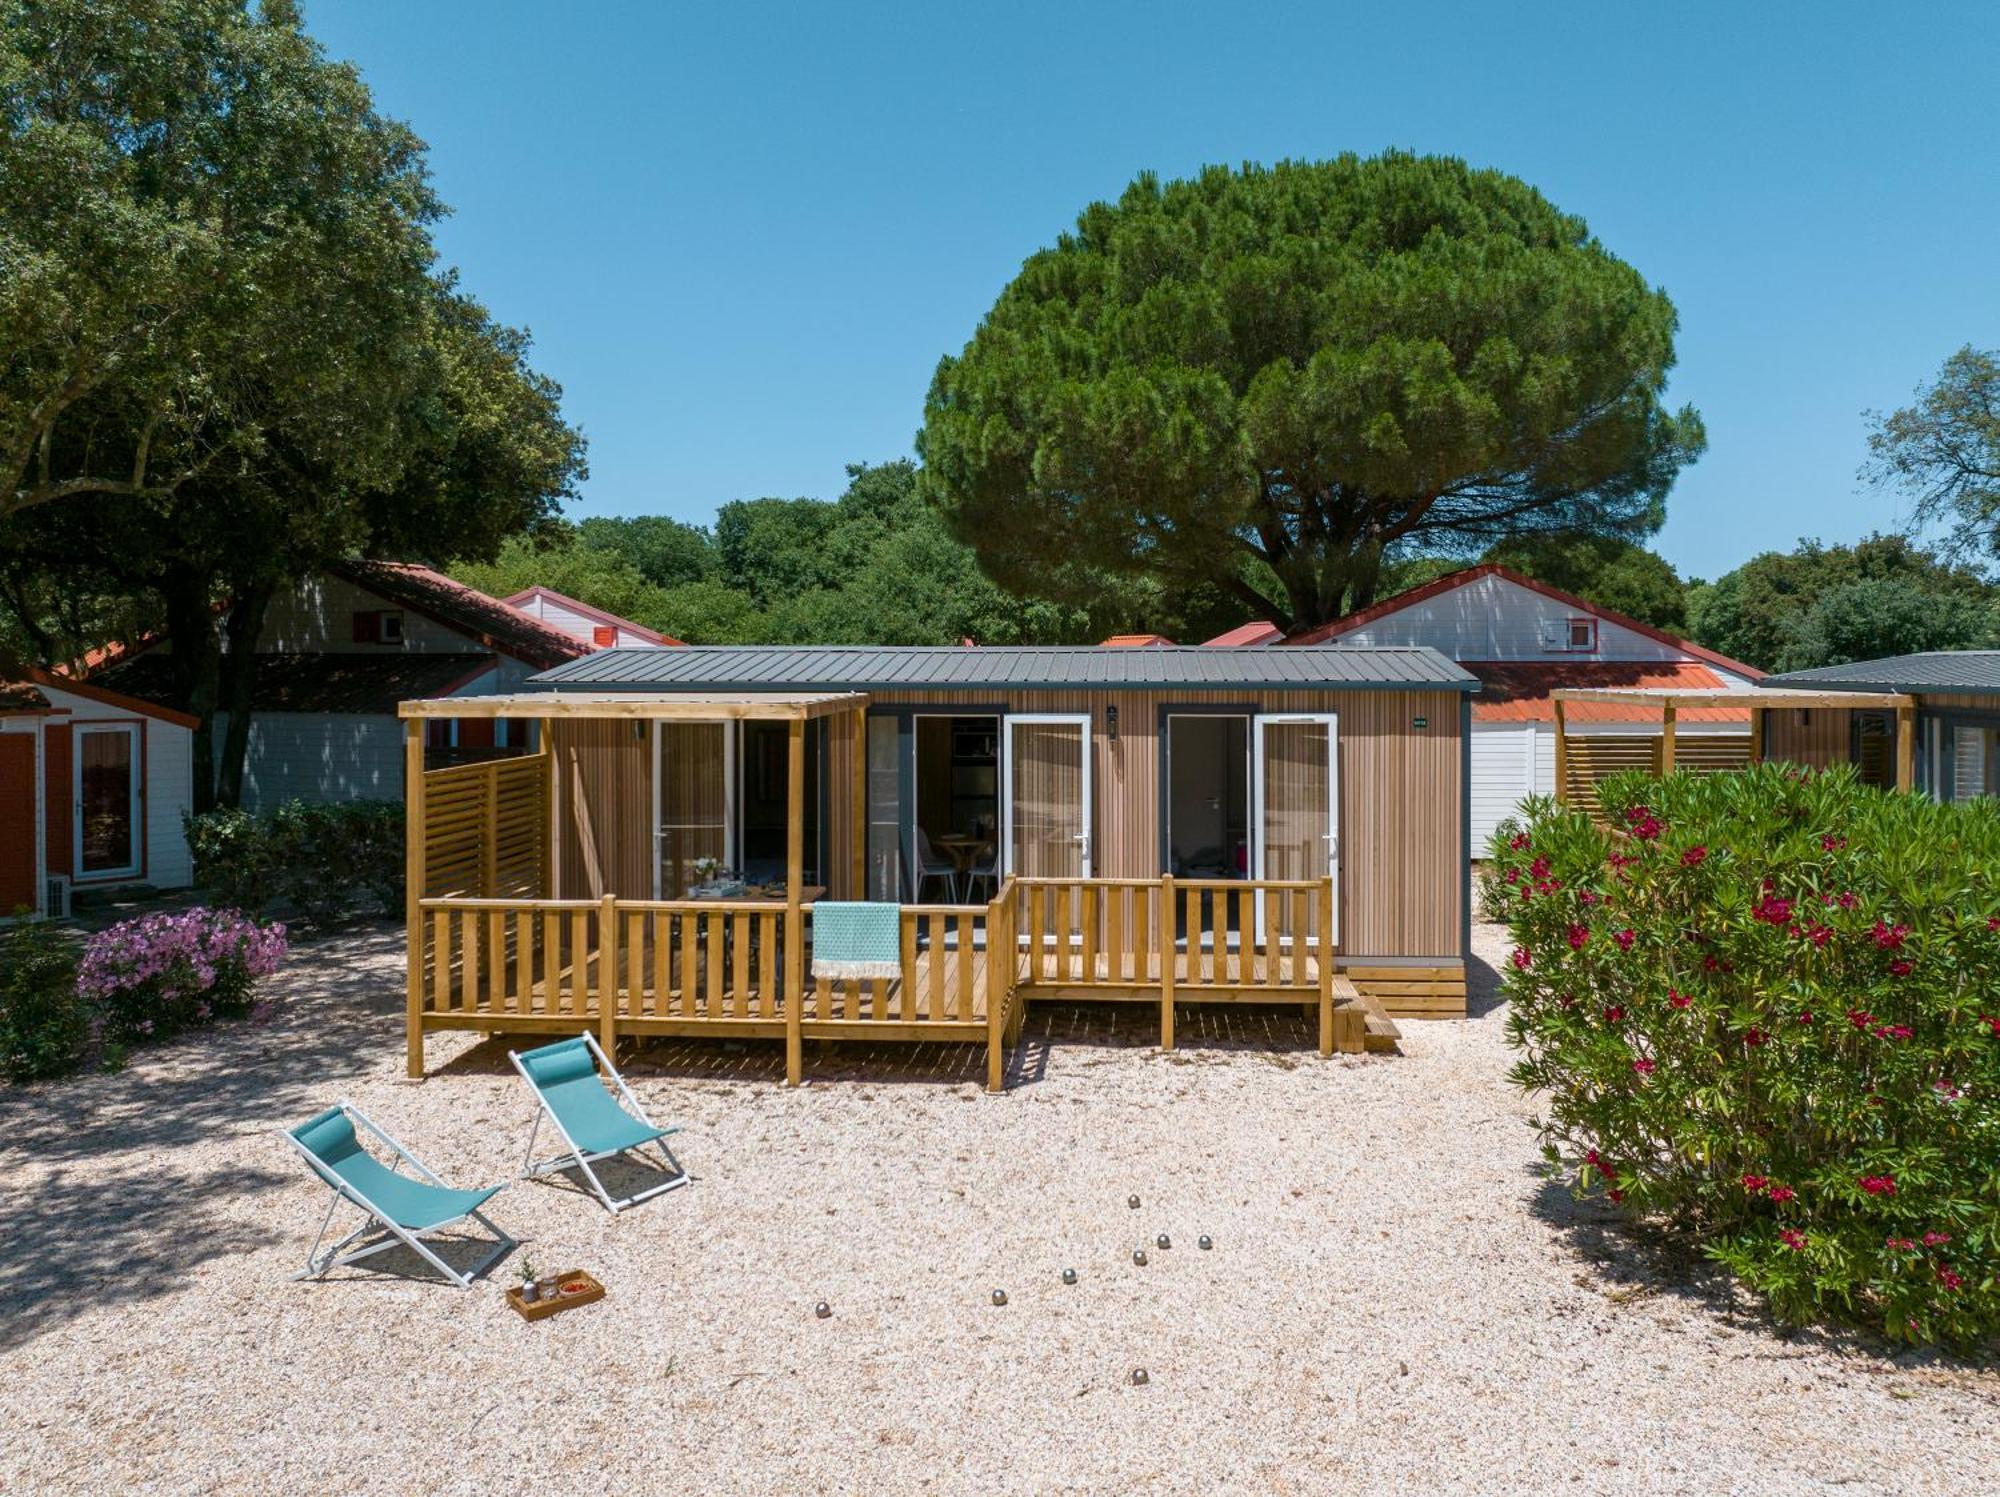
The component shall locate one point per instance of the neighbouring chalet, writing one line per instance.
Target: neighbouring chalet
(1524, 640)
(588, 625)
(339, 651)
(93, 786)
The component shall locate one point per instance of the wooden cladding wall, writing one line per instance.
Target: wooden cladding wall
(1588, 760)
(604, 808)
(1402, 797)
(1811, 735)
(486, 829)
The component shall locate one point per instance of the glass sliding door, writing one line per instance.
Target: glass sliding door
(1045, 795)
(1297, 802)
(692, 795)
(107, 800)
(885, 809)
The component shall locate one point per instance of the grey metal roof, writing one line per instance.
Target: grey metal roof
(1014, 667)
(1933, 670)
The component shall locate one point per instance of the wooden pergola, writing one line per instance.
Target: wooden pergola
(546, 708)
(1755, 700)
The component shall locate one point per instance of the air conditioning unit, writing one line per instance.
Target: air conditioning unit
(55, 897)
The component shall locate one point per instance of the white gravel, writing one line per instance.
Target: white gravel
(1395, 1301)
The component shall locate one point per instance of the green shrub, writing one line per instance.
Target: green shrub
(1764, 1012)
(44, 1025)
(327, 861)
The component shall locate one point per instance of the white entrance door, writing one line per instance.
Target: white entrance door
(1045, 795)
(1296, 810)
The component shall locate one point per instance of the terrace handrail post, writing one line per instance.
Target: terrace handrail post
(1667, 739)
(1906, 747)
(1325, 955)
(1562, 751)
(795, 935)
(607, 974)
(1167, 925)
(999, 981)
(413, 888)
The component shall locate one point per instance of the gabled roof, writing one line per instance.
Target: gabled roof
(21, 697)
(334, 681)
(1136, 641)
(465, 609)
(589, 611)
(1017, 667)
(98, 691)
(1518, 690)
(1930, 670)
(1256, 632)
(1451, 581)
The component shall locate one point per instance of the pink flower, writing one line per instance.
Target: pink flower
(1518, 842)
(1613, 1014)
(1900, 1244)
(1522, 960)
(1848, 900)
(1832, 844)
(1693, 857)
(1796, 1241)
(1805, 1016)
(1644, 1066)
(1539, 869)
(1781, 1193)
(1773, 911)
(1889, 937)
(1677, 999)
(1899, 969)
(1879, 1185)
(1624, 938)
(1991, 1023)
(1755, 1182)
(1860, 1018)
(1949, 1279)
(1936, 1239)
(1578, 934)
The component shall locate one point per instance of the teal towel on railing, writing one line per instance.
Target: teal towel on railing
(854, 939)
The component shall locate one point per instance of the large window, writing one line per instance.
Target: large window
(107, 800)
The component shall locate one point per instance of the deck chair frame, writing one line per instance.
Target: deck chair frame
(319, 1264)
(575, 1158)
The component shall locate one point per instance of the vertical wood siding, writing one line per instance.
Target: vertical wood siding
(1821, 740)
(604, 799)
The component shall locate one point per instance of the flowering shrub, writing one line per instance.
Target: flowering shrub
(1765, 1009)
(159, 974)
(326, 861)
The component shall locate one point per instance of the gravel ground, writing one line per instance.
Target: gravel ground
(1394, 1302)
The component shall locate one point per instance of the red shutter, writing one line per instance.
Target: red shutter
(604, 635)
(475, 732)
(56, 774)
(367, 627)
(19, 878)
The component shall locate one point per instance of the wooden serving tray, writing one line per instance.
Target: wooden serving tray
(555, 1304)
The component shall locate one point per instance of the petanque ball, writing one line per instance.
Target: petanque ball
(1139, 1256)
(1204, 1242)
(1069, 1276)
(1133, 1202)
(1139, 1378)
(822, 1309)
(1161, 1241)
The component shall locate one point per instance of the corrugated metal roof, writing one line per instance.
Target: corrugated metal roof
(1933, 670)
(1020, 668)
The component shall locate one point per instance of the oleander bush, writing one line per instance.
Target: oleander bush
(150, 978)
(1764, 1008)
(44, 1024)
(324, 861)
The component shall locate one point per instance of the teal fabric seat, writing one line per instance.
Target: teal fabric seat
(405, 1206)
(572, 1081)
(403, 1199)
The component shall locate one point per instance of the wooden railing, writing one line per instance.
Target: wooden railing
(719, 967)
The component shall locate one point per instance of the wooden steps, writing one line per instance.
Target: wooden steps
(1379, 1033)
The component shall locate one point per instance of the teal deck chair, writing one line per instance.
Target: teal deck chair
(408, 1207)
(564, 1078)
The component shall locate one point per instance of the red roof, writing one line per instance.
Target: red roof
(1256, 632)
(125, 700)
(465, 609)
(1452, 580)
(1517, 691)
(594, 614)
(22, 696)
(1136, 641)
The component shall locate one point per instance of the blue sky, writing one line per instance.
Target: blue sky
(743, 235)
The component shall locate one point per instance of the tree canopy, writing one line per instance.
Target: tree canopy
(1944, 453)
(1268, 380)
(1607, 570)
(1825, 605)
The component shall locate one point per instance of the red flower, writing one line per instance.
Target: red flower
(1754, 1037)
(1614, 1013)
(1889, 937)
(1773, 911)
(1693, 857)
(1645, 1067)
(1578, 934)
(1518, 841)
(1879, 1185)
(1522, 960)
(1860, 1018)
(1539, 869)
(1805, 1016)
(1677, 999)
(1991, 1023)
(1616, 1195)
(1592, 1157)
(1832, 844)
(1936, 1239)
(1755, 1182)
(1820, 934)
(1993, 922)
(1796, 1241)
(1624, 938)
(1781, 1193)
(1899, 969)
(1900, 1244)
(1848, 900)
(1949, 1279)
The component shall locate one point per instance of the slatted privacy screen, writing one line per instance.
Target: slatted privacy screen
(1711, 753)
(486, 828)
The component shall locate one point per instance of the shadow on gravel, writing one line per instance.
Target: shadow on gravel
(1639, 1260)
(119, 1217)
(1482, 987)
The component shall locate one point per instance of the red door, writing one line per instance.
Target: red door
(18, 873)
